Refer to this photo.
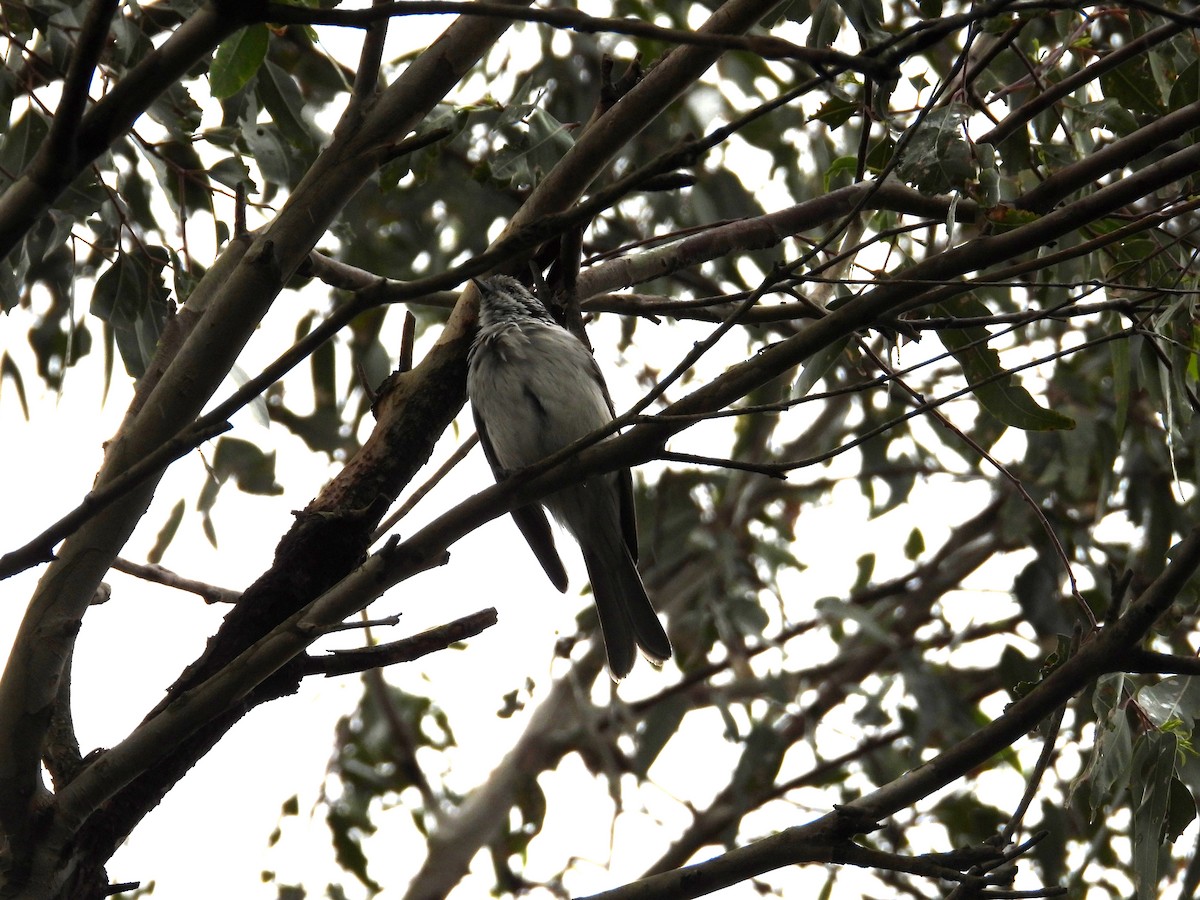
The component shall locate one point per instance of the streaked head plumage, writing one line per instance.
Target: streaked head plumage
(504, 300)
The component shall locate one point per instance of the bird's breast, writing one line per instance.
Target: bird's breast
(535, 391)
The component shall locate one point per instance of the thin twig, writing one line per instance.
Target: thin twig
(954, 395)
(159, 575)
(41, 548)
(771, 471)
(459, 454)
(352, 625)
(1035, 777)
(1004, 471)
(345, 662)
(366, 78)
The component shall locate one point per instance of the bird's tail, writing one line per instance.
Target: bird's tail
(627, 618)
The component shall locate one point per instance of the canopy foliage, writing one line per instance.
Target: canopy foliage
(900, 300)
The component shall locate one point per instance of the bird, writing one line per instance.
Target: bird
(535, 388)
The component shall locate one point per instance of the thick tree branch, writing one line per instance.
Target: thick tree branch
(769, 230)
(1146, 140)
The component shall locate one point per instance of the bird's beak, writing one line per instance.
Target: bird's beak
(479, 285)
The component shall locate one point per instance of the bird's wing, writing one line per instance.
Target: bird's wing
(628, 513)
(624, 476)
(531, 520)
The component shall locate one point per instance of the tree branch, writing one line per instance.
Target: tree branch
(807, 843)
(345, 662)
(1047, 97)
(28, 687)
(28, 198)
(765, 46)
(768, 230)
(209, 592)
(644, 442)
(60, 143)
(1148, 138)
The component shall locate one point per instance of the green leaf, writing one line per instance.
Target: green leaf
(282, 99)
(182, 175)
(166, 534)
(344, 831)
(997, 391)
(10, 293)
(537, 141)
(1132, 85)
(20, 143)
(272, 153)
(8, 369)
(841, 172)
(1176, 698)
(237, 60)
(1154, 765)
(915, 545)
(46, 236)
(865, 15)
(132, 298)
(658, 728)
(937, 158)
(817, 365)
(826, 23)
(1128, 258)
(252, 470)
(1181, 810)
(797, 11)
(1186, 88)
(231, 172)
(177, 111)
(1122, 378)
(866, 568)
(840, 611)
(836, 112)
(1111, 762)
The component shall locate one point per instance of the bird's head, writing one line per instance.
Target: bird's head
(504, 300)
